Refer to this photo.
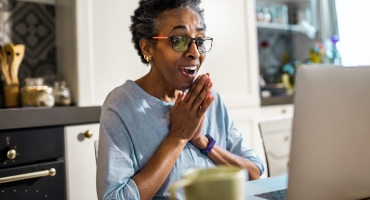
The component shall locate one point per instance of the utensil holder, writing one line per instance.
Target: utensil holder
(11, 96)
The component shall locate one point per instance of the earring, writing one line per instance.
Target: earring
(147, 58)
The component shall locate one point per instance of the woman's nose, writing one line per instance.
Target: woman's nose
(193, 50)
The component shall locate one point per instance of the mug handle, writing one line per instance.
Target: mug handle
(178, 184)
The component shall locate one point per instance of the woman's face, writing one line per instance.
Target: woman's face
(174, 69)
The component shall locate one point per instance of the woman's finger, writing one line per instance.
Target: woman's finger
(180, 97)
(196, 90)
(195, 83)
(205, 105)
(203, 95)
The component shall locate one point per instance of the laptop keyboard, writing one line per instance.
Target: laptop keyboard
(274, 195)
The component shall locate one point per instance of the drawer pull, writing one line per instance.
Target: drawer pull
(50, 172)
(88, 134)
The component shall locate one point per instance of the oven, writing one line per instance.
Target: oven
(32, 164)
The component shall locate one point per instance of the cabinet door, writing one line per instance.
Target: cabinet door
(80, 161)
(95, 53)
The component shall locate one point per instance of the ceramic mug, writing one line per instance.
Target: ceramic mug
(222, 182)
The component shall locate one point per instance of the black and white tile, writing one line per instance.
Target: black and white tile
(33, 25)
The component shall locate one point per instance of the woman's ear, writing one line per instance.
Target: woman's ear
(145, 45)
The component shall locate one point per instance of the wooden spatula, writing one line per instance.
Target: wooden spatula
(17, 60)
(4, 67)
(9, 50)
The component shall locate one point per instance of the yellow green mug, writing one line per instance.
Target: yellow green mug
(219, 183)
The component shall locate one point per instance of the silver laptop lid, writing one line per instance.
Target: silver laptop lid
(330, 149)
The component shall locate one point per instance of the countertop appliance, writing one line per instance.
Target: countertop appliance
(32, 164)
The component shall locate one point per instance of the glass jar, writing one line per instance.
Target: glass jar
(35, 93)
(61, 93)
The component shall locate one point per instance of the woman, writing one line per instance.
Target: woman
(155, 128)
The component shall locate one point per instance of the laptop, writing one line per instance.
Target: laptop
(330, 146)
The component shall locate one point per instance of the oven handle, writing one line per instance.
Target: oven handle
(50, 172)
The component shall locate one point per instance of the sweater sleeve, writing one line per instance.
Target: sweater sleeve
(116, 159)
(235, 142)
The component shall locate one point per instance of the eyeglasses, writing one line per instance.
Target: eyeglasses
(182, 43)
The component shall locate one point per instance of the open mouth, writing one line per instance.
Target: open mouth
(189, 70)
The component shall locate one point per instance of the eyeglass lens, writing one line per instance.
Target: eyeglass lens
(182, 43)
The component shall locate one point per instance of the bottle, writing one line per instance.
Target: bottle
(336, 59)
(284, 15)
(61, 94)
(333, 54)
(259, 14)
(266, 14)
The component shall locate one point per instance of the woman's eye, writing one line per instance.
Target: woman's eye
(200, 41)
(177, 40)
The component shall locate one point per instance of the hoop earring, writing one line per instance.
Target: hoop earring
(147, 58)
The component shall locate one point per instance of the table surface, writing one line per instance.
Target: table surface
(265, 185)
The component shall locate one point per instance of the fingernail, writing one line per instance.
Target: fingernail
(204, 77)
(209, 83)
(208, 95)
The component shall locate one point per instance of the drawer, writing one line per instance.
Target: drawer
(278, 144)
(29, 146)
(45, 187)
(276, 112)
(279, 166)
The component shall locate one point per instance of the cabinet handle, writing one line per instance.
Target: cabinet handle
(283, 111)
(88, 134)
(50, 172)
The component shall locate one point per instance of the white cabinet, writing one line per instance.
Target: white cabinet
(80, 161)
(95, 53)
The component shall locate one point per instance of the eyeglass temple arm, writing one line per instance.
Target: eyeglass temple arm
(159, 37)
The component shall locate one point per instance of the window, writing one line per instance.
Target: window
(354, 31)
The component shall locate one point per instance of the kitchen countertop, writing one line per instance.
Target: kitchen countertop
(13, 118)
(288, 99)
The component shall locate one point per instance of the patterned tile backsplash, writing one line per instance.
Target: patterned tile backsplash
(33, 25)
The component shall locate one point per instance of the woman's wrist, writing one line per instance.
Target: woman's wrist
(210, 145)
(200, 142)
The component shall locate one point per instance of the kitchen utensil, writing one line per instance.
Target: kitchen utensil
(11, 96)
(4, 67)
(18, 54)
(9, 50)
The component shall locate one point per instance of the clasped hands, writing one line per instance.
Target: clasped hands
(188, 111)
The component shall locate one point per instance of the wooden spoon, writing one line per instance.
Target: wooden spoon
(17, 60)
(9, 50)
(4, 67)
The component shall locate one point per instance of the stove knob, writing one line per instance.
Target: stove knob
(11, 154)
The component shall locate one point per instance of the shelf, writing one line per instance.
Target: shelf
(303, 28)
(49, 2)
(285, 1)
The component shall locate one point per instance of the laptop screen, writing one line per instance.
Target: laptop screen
(330, 145)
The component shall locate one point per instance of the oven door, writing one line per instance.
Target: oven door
(38, 181)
